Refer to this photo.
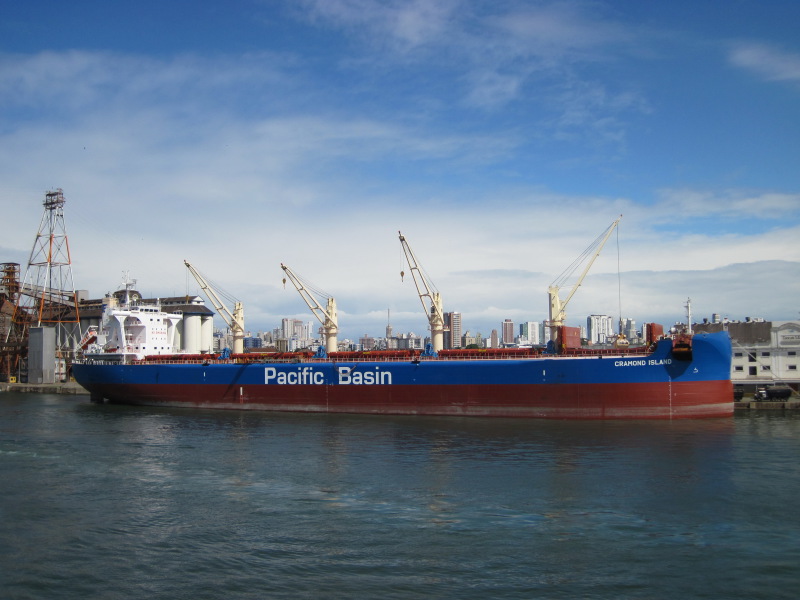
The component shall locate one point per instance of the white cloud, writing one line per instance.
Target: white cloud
(489, 89)
(240, 163)
(500, 53)
(560, 30)
(768, 62)
(237, 196)
(728, 204)
(75, 81)
(402, 25)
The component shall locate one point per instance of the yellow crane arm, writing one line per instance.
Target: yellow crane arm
(233, 319)
(326, 316)
(557, 307)
(422, 284)
(425, 289)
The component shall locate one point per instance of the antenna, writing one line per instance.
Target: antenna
(619, 286)
(688, 307)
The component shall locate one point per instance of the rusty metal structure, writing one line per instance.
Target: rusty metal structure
(45, 298)
(9, 298)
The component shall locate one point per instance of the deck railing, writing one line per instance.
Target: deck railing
(388, 357)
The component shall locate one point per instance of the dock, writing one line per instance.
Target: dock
(69, 387)
(748, 405)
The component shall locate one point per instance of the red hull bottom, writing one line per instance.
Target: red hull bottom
(669, 400)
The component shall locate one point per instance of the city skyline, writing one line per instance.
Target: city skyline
(500, 138)
(599, 329)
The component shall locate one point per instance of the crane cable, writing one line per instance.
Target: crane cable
(316, 291)
(619, 283)
(213, 285)
(570, 270)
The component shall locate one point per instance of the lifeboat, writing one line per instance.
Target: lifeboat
(90, 337)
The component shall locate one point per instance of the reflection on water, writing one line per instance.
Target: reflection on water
(113, 501)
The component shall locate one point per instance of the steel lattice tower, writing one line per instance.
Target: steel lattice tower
(48, 295)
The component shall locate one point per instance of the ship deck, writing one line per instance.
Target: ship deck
(392, 356)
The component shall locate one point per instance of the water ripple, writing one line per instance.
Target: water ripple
(121, 502)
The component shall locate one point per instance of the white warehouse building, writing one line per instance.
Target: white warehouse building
(764, 352)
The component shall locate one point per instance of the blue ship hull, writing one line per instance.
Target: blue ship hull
(662, 384)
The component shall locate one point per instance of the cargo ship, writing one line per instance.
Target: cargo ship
(129, 359)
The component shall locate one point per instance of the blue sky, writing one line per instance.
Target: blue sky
(500, 137)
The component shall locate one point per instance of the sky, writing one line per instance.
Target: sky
(501, 137)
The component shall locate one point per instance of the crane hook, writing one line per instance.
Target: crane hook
(284, 283)
(402, 274)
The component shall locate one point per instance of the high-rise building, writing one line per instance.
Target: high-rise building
(508, 332)
(494, 341)
(452, 334)
(410, 341)
(529, 333)
(253, 342)
(367, 343)
(599, 328)
(628, 328)
(295, 329)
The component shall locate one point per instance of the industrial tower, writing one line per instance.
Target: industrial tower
(47, 297)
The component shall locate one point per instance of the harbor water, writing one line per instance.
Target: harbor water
(104, 501)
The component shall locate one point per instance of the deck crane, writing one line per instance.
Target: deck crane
(327, 316)
(425, 289)
(558, 308)
(234, 320)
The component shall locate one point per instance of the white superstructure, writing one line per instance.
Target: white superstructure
(131, 331)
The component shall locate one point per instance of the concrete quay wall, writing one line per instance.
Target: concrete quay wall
(69, 387)
(765, 405)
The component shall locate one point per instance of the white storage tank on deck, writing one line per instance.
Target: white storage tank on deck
(207, 333)
(191, 333)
